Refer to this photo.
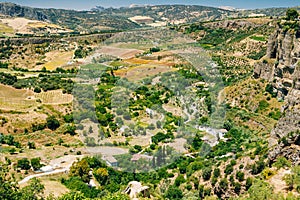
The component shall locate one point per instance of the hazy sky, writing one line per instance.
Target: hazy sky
(88, 4)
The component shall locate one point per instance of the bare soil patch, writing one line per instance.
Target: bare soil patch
(119, 52)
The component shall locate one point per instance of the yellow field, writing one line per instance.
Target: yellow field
(142, 71)
(5, 28)
(57, 59)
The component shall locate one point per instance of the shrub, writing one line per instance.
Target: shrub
(179, 180)
(240, 176)
(216, 172)
(228, 170)
(174, 193)
(52, 123)
(249, 183)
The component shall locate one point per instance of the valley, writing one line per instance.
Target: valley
(182, 102)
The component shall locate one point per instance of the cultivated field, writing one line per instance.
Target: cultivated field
(54, 97)
(57, 59)
(122, 53)
(22, 25)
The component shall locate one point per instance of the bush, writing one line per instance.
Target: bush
(257, 167)
(293, 179)
(267, 173)
(237, 188)
(37, 90)
(52, 123)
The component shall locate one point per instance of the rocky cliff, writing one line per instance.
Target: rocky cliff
(281, 67)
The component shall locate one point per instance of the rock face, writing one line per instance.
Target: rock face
(233, 24)
(282, 69)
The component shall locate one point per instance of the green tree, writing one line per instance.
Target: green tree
(291, 14)
(179, 180)
(23, 164)
(101, 174)
(36, 163)
(31, 145)
(217, 172)
(80, 169)
(249, 183)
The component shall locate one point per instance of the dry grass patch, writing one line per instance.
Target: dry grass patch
(16, 99)
(53, 187)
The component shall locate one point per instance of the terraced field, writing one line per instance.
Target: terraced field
(54, 97)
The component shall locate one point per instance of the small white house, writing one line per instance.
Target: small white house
(47, 168)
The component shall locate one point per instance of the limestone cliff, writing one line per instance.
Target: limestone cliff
(281, 67)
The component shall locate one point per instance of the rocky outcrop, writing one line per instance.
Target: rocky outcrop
(233, 24)
(135, 189)
(281, 67)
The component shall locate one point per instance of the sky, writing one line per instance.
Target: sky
(88, 4)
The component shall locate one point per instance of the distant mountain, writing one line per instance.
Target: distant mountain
(15, 10)
(100, 18)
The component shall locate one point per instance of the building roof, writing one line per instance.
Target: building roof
(110, 159)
